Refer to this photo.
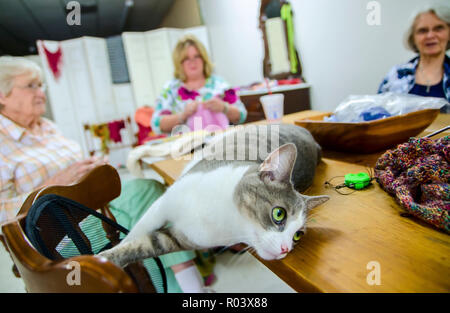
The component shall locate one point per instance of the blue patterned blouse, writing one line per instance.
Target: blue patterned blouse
(401, 79)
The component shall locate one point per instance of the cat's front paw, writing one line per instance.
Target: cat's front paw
(111, 257)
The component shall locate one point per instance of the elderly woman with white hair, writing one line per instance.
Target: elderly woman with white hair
(34, 154)
(428, 74)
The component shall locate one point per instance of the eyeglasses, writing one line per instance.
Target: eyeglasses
(193, 59)
(425, 30)
(34, 86)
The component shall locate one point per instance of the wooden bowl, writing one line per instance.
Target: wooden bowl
(368, 137)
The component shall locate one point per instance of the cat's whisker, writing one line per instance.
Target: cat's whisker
(312, 214)
(244, 256)
(237, 240)
(247, 252)
(234, 260)
(270, 243)
(311, 217)
(251, 250)
(312, 220)
(243, 252)
(222, 250)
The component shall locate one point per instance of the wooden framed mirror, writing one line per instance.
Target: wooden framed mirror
(281, 60)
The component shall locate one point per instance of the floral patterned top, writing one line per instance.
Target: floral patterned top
(174, 98)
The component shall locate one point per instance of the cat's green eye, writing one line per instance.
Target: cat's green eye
(298, 235)
(278, 215)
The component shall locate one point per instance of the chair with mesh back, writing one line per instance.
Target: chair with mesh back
(49, 271)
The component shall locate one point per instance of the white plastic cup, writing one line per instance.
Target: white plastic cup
(273, 107)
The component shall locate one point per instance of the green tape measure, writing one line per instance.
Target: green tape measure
(357, 181)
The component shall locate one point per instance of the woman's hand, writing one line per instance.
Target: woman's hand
(190, 108)
(218, 105)
(168, 122)
(73, 173)
(215, 104)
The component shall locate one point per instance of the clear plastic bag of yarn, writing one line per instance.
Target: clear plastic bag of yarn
(360, 108)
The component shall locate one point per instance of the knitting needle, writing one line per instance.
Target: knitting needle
(437, 132)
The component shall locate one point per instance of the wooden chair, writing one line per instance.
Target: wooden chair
(41, 274)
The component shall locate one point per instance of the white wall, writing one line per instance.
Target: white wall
(236, 43)
(340, 53)
(84, 93)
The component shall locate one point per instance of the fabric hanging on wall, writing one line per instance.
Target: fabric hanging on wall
(54, 60)
(286, 15)
(114, 130)
(102, 131)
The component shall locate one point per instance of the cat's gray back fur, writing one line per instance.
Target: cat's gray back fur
(238, 147)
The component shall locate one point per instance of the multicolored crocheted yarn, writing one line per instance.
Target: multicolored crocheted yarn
(417, 174)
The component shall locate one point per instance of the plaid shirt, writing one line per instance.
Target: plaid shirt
(28, 160)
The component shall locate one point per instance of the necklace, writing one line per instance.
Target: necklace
(428, 81)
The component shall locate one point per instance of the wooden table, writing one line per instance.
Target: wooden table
(350, 237)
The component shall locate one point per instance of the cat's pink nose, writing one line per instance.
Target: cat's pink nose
(284, 249)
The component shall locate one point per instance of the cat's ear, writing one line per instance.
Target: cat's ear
(312, 202)
(279, 164)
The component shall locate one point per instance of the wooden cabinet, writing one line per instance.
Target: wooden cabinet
(296, 98)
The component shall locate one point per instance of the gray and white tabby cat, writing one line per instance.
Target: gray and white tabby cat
(233, 195)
